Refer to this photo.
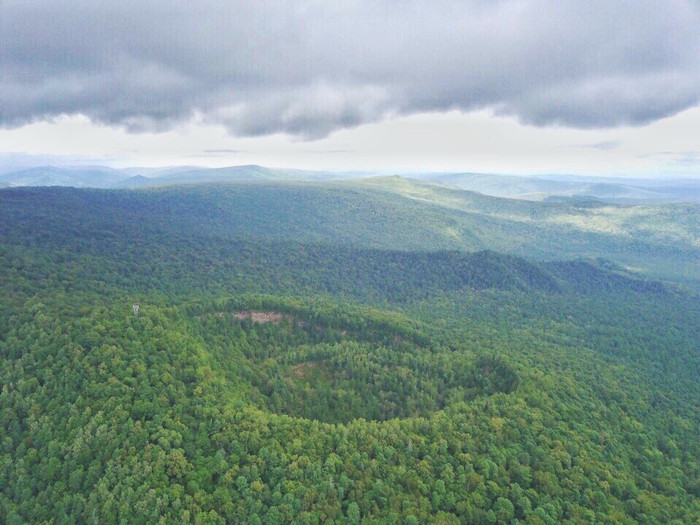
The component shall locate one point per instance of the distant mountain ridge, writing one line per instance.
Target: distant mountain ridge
(111, 178)
(535, 188)
(613, 189)
(92, 177)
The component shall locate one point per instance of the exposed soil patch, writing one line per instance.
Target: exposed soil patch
(255, 316)
(262, 317)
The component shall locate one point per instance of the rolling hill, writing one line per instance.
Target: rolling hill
(103, 177)
(660, 241)
(352, 352)
(534, 188)
(607, 189)
(98, 177)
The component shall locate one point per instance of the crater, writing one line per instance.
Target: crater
(315, 368)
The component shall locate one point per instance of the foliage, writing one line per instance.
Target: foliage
(392, 213)
(270, 381)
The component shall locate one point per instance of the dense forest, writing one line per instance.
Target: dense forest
(660, 241)
(289, 368)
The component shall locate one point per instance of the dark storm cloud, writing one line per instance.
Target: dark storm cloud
(311, 67)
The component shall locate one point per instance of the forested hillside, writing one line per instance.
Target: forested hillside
(388, 213)
(352, 352)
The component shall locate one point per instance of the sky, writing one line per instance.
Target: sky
(594, 87)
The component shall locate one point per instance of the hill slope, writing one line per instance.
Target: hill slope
(271, 380)
(661, 241)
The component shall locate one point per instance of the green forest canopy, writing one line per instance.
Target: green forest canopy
(314, 377)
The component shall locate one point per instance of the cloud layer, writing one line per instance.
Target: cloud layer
(310, 67)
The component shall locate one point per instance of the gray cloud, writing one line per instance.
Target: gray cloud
(308, 68)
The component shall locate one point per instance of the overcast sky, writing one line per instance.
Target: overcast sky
(519, 86)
